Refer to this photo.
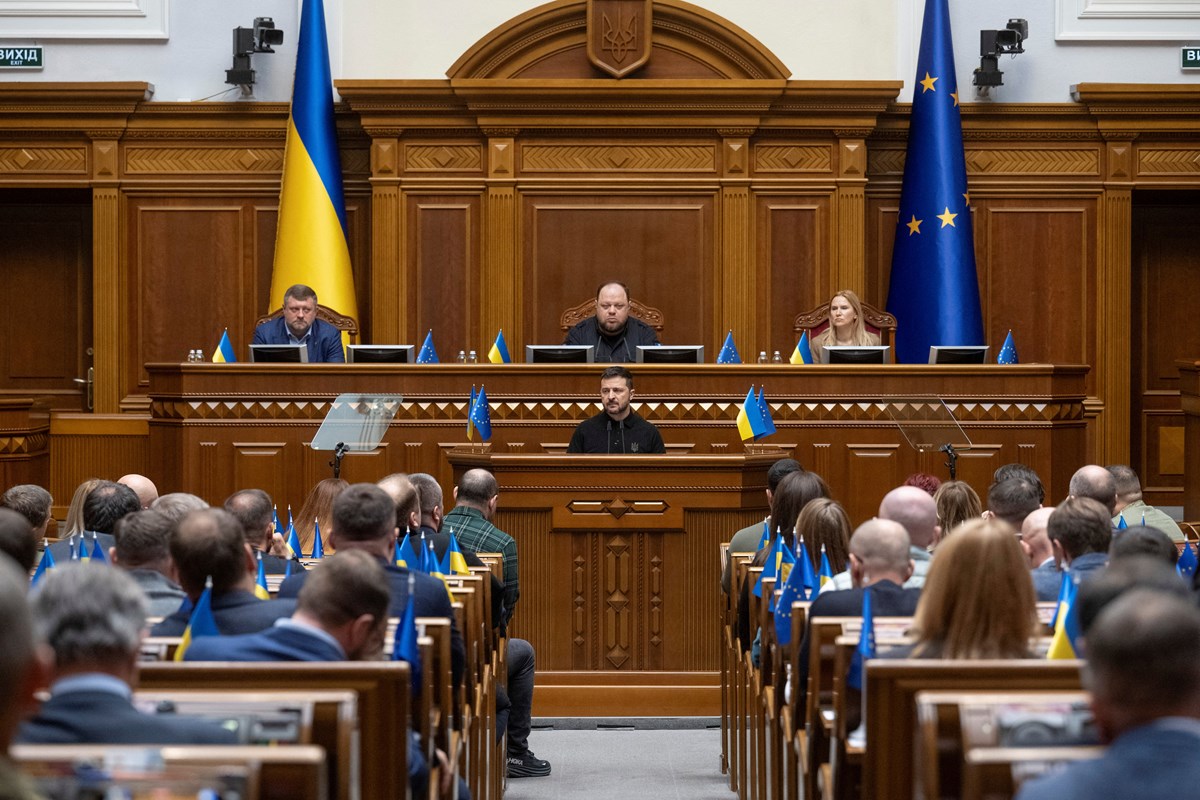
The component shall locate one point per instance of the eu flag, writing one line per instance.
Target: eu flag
(765, 411)
(318, 550)
(729, 351)
(1186, 565)
(428, 353)
(934, 289)
(1008, 352)
(481, 415)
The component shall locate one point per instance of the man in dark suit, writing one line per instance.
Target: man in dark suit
(208, 543)
(142, 550)
(92, 617)
(613, 333)
(299, 325)
(1143, 674)
(106, 504)
(1035, 541)
(364, 518)
(252, 508)
(879, 563)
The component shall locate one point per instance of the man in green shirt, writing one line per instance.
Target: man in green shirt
(1135, 511)
(475, 500)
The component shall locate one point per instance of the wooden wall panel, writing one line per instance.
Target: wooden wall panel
(791, 243)
(105, 446)
(443, 265)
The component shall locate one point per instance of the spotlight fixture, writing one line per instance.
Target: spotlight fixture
(246, 42)
(993, 44)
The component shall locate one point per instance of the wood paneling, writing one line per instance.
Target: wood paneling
(443, 268)
(105, 446)
(791, 241)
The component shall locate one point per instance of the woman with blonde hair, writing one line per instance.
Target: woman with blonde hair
(956, 503)
(318, 506)
(846, 326)
(978, 600)
(824, 523)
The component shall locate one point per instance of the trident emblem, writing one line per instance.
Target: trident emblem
(619, 39)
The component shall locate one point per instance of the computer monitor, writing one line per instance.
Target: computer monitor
(958, 354)
(560, 354)
(670, 354)
(379, 353)
(279, 353)
(854, 354)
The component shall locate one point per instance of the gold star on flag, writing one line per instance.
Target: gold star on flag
(928, 83)
(955, 96)
(947, 218)
(914, 225)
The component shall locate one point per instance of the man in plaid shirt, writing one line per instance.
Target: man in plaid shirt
(475, 503)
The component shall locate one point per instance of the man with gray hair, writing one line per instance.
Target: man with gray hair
(1143, 674)
(1097, 483)
(91, 615)
(16, 539)
(178, 505)
(141, 549)
(33, 503)
(1133, 509)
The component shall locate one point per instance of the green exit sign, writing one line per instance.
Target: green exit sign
(31, 58)
(1191, 58)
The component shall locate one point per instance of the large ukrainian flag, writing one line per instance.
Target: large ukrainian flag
(310, 242)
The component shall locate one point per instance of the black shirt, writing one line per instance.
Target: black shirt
(613, 349)
(603, 434)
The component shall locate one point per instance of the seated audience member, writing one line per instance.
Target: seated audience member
(1012, 500)
(1080, 532)
(1014, 470)
(16, 539)
(978, 601)
(746, 540)
(178, 505)
(209, 543)
(74, 521)
(879, 563)
(106, 503)
(141, 549)
(956, 503)
(299, 325)
(824, 524)
(33, 503)
(23, 670)
(917, 512)
(475, 499)
(1039, 555)
(924, 481)
(1143, 674)
(617, 429)
(252, 508)
(1133, 509)
(142, 486)
(1142, 540)
(615, 335)
(1097, 483)
(1124, 575)
(846, 325)
(318, 507)
(92, 617)
(364, 518)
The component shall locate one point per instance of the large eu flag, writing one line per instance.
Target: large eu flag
(934, 291)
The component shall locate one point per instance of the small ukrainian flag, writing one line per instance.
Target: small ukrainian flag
(224, 353)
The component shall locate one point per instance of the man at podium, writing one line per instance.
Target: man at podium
(616, 429)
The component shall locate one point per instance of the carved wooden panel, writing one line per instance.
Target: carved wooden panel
(1016, 160)
(624, 158)
(771, 158)
(443, 268)
(205, 160)
(263, 465)
(443, 158)
(792, 239)
(40, 159)
(106, 446)
(1168, 161)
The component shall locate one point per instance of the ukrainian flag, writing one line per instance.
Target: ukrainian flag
(224, 353)
(1064, 642)
(499, 352)
(749, 418)
(202, 622)
(46, 563)
(803, 352)
(453, 560)
(310, 241)
(260, 581)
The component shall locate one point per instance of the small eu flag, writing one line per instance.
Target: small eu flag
(1008, 353)
(729, 352)
(428, 354)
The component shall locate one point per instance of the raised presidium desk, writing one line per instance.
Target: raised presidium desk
(619, 554)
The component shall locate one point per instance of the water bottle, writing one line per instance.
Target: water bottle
(777, 358)
(462, 356)
(472, 358)
(762, 356)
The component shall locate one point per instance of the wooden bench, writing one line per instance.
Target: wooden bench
(998, 772)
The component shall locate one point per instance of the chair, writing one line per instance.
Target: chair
(348, 325)
(880, 323)
(577, 313)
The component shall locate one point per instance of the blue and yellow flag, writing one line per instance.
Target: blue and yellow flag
(803, 352)
(404, 645)
(749, 418)
(98, 553)
(765, 539)
(825, 575)
(310, 241)
(866, 644)
(405, 551)
(81, 552)
(934, 289)
(481, 415)
(260, 580)
(318, 550)
(1008, 353)
(224, 353)
(293, 541)
(729, 351)
(453, 561)
(808, 578)
(499, 352)
(275, 520)
(1065, 641)
(398, 554)
(47, 563)
(202, 622)
(428, 353)
(793, 590)
(470, 422)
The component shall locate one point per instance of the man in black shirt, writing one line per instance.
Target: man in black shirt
(616, 429)
(614, 335)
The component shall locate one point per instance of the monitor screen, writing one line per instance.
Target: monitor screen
(670, 354)
(842, 354)
(559, 354)
(379, 353)
(279, 353)
(958, 354)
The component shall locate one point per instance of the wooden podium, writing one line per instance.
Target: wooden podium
(620, 574)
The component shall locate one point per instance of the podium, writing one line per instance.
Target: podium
(620, 574)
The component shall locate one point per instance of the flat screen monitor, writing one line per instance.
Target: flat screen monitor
(279, 353)
(852, 354)
(958, 354)
(379, 353)
(559, 354)
(670, 354)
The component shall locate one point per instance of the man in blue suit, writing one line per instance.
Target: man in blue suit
(1143, 673)
(299, 325)
(92, 617)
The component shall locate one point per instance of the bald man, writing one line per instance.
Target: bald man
(916, 511)
(142, 486)
(1097, 483)
(1035, 541)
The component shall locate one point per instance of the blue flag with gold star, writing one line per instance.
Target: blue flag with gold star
(934, 289)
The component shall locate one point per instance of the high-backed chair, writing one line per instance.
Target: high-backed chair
(878, 322)
(345, 324)
(577, 313)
